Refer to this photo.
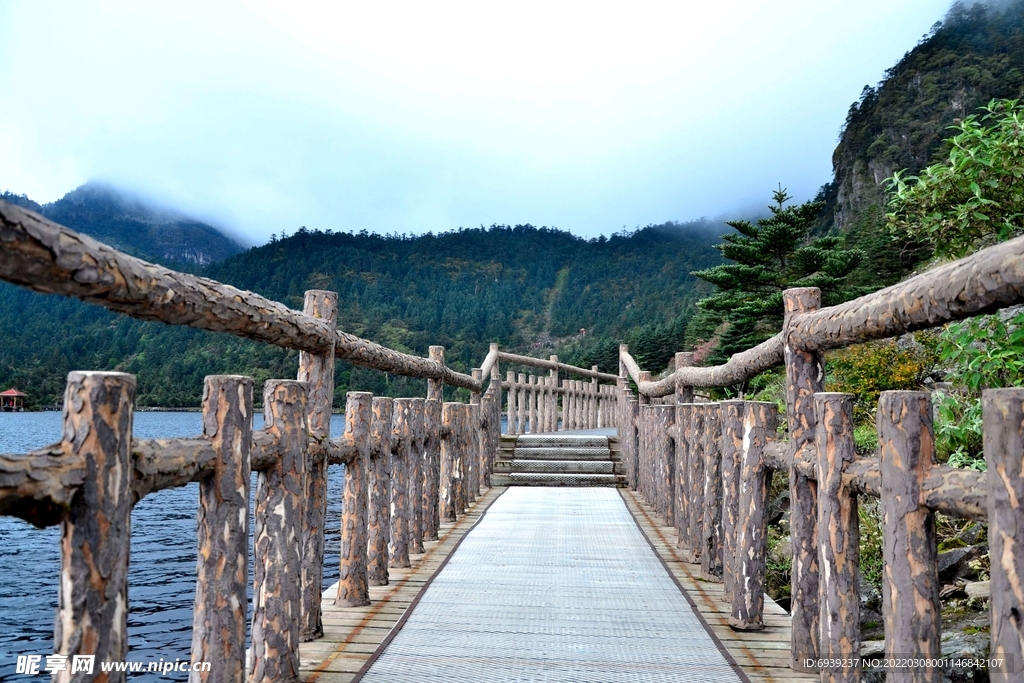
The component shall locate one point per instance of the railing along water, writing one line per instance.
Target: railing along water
(704, 467)
(423, 460)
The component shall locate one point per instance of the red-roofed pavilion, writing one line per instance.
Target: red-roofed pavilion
(12, 400)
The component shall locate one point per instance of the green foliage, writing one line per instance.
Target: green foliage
(982, 353)
(866, 370)
(767, 258)
(975, 198)
(871, 563)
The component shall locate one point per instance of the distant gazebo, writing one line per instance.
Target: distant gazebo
(12, 401)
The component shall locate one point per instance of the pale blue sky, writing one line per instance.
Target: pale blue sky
(267, 115)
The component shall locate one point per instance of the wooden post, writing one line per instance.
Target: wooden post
(318, 371)
(435, 387)
(664, 460)
(479, 469)
(593, 400)
(401, 510)
(92, 612)
(643, 454)
(732, 460)
(1004, 453)
(911, 610)
(473, 466)
(353, 589)
(432, 462)
(277, 520)
(759, 421)
(416, 472)
(711, 536)
(219, 615)
(554, 395)
(645, 376)
(463, 457)
(449, 465)
(805, 376)
(534, 401)
(379, 514)
(633, 427)
(684, 393)
(681, 485)
(511, 405)
(581, 422)
(695, 483)
(522, 403)
(471, 452)
(838, 537)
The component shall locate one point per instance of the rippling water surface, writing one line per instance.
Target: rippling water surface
(161, 583)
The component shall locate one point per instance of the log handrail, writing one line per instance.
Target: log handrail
(47, 257)
(554, 365)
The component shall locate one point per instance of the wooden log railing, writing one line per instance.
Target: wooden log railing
(723, 454)
(408, 463)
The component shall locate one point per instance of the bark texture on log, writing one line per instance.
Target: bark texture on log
(219, 615)
(695, 483)
(353, 586)
(662, 458)
(449, 465)
(416, 472)
(92, 608)
(317, 370)
(759, 420)
(432, 463)
(553, 365)
(1004, 453)
(401, 452)
(680, 488)
(169, 463)
(39, 486)
(732, 461)
(711, 553)
(740, 367)
(277, 519)
(379, 473)
(510, 408)
(911, 609)
(838, 537)
(805, 376)
(684, 392)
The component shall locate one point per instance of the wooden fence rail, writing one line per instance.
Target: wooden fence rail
(705, 467)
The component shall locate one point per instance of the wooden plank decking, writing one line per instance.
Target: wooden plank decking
(352, 635)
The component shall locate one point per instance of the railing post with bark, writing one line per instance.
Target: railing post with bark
(1004, 454)
(759, 419)
(449, 461)
(316, 369)
(416, 472)
(353, 584)
(839, 537)
(732, 461)
(401, 453)
(277, 520)
(711, 537)
(805, 376)
(695, 482)
(379, 485)
(92, 611)
(681, 485)
(219, 615)
(911, 610)
(432, 463)
(554, 427)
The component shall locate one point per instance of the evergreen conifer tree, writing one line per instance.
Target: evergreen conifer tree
(768, 257)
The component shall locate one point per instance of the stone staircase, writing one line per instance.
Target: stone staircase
(558, 460)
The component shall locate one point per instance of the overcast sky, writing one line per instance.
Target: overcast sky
(261, 116)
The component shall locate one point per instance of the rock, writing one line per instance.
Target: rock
(951, 562)
(975, 534)
(978, 590)
(870, 597)
(959, 645)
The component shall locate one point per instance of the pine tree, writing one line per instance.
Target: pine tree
(768, 257)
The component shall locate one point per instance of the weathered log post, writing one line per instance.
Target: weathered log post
(569, 409)
(543, 409)
(1003, 411)
(416, 471)
(478, 467)
(511, 403)
(643, 454)
(318, 371)
(695, 482)
(277, 519)
(681, 485)
(464, 457)
(711, 536)
(432, 477)
(838, 537)
(911, 610)
(594, 388)
(759, 420)
(435, 387)
(449, 460)
(684, 393)
(663, 452)
(553, 387)
(645, 376)
(379, 513)
(805, 376)
(219, 615)
(732, 461)
(534, 404)
(92, 612)
(602, 407)
(581, 421)
(522, 403)
(401, 452)
(472, 452)
(353, 589)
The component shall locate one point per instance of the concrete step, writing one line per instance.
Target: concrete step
(558, 466)
(529, 440)
(542, 479)
(562, 453)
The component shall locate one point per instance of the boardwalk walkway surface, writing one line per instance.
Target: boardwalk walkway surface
(553, 584)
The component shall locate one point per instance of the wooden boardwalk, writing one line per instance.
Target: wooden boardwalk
(355, 637)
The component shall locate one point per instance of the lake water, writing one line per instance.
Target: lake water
(162, 573)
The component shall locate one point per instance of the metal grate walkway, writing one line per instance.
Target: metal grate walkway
(554, 584)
